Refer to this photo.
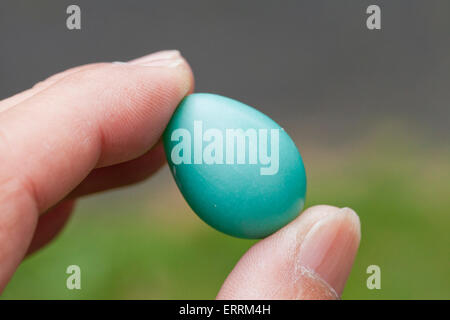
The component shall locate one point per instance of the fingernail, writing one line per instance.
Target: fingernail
(160, 55)
(330, 246)
(169, 63)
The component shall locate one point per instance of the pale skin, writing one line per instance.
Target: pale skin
(97, 127)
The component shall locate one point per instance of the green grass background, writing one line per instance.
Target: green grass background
(145, 243)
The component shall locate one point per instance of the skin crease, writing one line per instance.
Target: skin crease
(97, 127)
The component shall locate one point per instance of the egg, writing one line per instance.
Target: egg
(238, 170)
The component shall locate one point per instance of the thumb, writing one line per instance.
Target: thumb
(310, 258)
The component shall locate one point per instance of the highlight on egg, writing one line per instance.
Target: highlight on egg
(239, 171)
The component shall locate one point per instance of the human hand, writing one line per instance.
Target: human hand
(97, 127)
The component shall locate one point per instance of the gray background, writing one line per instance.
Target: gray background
(311, 65)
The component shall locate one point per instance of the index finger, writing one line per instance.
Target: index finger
(50, 142)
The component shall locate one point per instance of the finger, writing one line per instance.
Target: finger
(22, 96)
(52, 222)
(50, 225)
(310, 258)
(122, 174)
(94, 118)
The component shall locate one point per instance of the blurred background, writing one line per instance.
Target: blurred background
(369, 111)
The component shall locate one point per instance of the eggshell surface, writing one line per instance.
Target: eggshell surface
(239, 171)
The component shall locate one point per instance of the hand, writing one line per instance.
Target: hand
(97, 127)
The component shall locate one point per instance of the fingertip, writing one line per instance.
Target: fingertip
(170, 59)
(328, 246)
(310, 258)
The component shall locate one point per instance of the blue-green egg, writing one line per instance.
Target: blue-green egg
(239, 171)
